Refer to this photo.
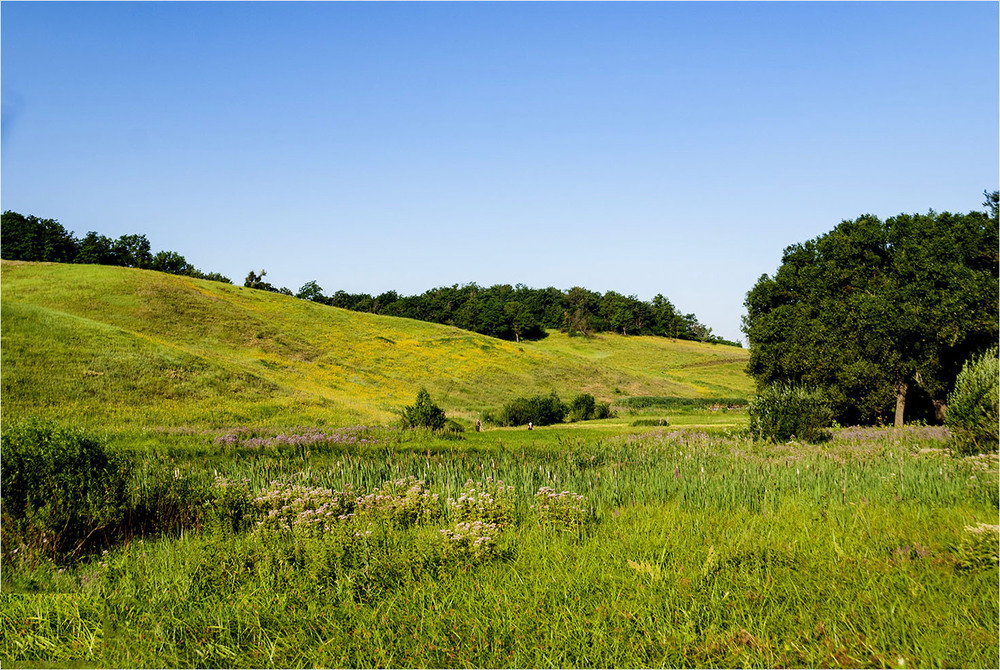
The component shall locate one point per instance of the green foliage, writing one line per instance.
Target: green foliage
(671, 402)
(310, 291)
(424, 413)
(522, 313)
(29, 238)
(874, 309)
(256, 281)
(561, 510)
(490, 501)
(584, 407)
(402, 502)
(603, 411)
(538, 410)
(781, 412)
(233, 503)
(59, 487)
(978, 548)
(651, 422)
(581, 407)
(974, 405)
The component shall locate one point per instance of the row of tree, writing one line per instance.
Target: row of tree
(519, 312)
(880, 315)
(29, 238)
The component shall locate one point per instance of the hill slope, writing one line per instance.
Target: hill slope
(106, 345)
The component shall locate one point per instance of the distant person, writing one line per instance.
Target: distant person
(479, 426)
(531, 426)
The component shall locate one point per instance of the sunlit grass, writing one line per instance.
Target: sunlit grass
(705, 550)
(118, 346)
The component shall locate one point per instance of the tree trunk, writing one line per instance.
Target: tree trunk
(940, 410)
(900, 404)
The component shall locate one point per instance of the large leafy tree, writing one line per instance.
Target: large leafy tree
(30, 238)
(876, 312)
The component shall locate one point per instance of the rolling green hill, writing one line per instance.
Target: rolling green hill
(109, 346)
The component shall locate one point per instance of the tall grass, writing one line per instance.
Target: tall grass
(696, 550)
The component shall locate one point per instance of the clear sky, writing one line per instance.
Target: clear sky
(645, 148)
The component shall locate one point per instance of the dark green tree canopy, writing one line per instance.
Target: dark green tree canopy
(875, 312)
(29, 238)
(424, 413)
(522, 313)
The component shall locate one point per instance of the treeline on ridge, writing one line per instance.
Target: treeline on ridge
(503, 311)
(30, 238)
(522, 313)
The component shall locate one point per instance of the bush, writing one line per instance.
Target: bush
(424, 413)
(781, 412)
(582, 407)
(973, 406)
(539, 410)
(59, 487)
(604, 411)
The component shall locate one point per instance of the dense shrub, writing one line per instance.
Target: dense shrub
(603, 411)
(424, 413)
(584, 408)
(539, 410)
(581, 407)
(781, 412)
(671, 402)
(973, 405)
(60, 486)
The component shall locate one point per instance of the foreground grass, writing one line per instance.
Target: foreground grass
(697, 550)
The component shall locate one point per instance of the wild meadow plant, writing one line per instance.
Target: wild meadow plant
(701, 549)
(402, 502)
(489, 501)
(284, 506)
(471, 541)
(563, 510)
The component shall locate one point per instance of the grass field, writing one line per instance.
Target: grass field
(274, 517)
(685, 549)
(116, 346)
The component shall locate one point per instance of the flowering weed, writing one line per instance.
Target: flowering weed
(285, 506)
(491, 501)
(471, 542)
(403, 502)
(563, 511)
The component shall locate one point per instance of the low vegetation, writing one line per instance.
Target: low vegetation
(974, 405)
(783, 412)
(374, 547)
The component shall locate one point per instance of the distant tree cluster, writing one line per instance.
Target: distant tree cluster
(29, 238)
(521, 313)
(880, 315)
(256, 281)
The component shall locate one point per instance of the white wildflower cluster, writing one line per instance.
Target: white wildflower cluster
(490, 501)
(286, 506)
(983, 529)
(404, 502)
(562, 510)
(978, 547)
(471, 540)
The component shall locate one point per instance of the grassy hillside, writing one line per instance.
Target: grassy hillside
(113, 346)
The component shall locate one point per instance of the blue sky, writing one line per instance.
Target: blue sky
(646, 148)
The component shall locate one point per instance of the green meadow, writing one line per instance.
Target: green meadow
(117, 346)
(268, 513)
